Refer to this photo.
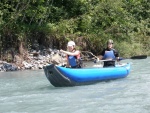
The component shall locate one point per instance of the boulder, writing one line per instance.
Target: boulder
(57, 59)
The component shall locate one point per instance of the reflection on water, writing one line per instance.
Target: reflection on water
(31, 92)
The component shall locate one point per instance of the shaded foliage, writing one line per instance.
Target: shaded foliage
(53, 22)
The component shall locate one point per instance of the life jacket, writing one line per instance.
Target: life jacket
(109, 55)
(75, 61)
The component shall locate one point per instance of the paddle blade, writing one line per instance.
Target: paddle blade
(139, 57)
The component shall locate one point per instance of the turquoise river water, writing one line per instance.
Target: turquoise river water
(31, 92)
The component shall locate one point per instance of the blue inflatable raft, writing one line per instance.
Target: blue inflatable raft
(62, 77)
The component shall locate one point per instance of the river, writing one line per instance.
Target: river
(31, 92)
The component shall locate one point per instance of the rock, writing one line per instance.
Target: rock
(40, 66)
(27, 65)
(57, 59)
(18, 60)
(9, 67)
(36, 54)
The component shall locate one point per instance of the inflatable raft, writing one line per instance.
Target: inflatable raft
(61, 77)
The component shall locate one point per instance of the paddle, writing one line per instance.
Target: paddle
(88, 54)
(120, 58)
(139, 57)
(97, 60)
(135, 57)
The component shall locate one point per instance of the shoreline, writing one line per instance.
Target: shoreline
(34, 61)
(37, 60)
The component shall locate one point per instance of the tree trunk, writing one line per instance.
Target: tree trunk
(21, 49)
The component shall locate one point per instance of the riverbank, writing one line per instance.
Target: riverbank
(34, 60)
(38, 59)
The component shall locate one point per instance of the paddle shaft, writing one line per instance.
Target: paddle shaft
(89, 53)
(120, 58)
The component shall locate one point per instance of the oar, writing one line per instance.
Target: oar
(139, 57)
(89, 53)
(97, 60)
(120, 58)
(135, 57)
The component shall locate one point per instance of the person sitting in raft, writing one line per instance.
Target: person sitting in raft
(73, 56)
(109, 53)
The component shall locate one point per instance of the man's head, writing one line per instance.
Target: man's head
(110, 44)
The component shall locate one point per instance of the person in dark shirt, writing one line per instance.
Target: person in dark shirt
(109, 54)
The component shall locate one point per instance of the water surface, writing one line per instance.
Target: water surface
(31, 92)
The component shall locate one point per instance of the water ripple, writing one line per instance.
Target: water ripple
(31, 92)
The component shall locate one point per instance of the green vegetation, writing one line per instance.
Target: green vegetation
(88, 22)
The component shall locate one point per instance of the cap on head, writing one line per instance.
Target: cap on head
(71, 43)
(110, 41)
